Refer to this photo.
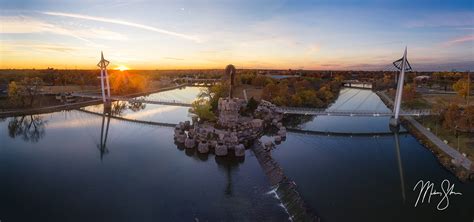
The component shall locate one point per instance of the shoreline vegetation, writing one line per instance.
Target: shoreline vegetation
(454, 123)
(296, 91)
(444, 92)
(445, 160)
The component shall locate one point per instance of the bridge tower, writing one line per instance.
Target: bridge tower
(402, 65)
(104, 80)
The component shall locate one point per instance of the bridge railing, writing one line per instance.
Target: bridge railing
(319, 111)
(161, 102)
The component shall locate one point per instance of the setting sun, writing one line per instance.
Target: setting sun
(121, 68)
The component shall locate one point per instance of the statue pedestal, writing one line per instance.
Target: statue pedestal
(229, 111)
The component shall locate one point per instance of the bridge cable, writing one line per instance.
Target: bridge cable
(335, 108)
(364, 100)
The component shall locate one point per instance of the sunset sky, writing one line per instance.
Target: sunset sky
(328, 34)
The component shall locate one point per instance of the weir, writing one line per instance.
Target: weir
(284, 188)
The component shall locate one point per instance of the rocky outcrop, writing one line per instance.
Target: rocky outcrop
(282, 132)
(268, 112)
(203, 147)
(221, 149)
(189, 143)
(233, 131)
(239, 150)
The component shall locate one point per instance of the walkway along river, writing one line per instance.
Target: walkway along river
(52, 170)
(449, 157)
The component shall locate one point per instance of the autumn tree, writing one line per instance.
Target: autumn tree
(325, 94)
(439, 107)
(302, 85)
(451, 117)
(461, 87)
(15, 94)
(212, 94)
(409, 93)
(466, 122)
(202, 109)
(27, 89)
(260, 80)
(49, 75)
(276, 93)
(126, 83)
(247, 77)
(296, 101)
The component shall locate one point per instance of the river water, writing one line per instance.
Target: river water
(55, 167)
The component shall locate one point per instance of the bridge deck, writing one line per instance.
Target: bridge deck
(284, 110)
(121, 98)
(368, 113)
(291, 130)
(131, 120)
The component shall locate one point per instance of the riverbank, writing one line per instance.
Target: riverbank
(49, 109)
(447, 156)
(77, 105)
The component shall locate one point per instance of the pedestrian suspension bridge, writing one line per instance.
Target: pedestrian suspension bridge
(402, 65)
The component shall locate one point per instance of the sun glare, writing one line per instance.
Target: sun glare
(121, 68)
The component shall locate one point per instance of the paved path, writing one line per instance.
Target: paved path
(453, 153)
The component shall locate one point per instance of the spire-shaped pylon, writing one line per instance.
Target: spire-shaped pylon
(402, 65)
(103, 63)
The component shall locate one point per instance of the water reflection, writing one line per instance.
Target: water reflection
(104, 132)
(229, 164)
(119, 107)
(116, 109)
(136, 106)
(400, 167)
(296, 121)
(197, 186)
(31, 128)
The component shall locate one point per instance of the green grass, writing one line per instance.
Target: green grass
(418, 103)
(464, 142)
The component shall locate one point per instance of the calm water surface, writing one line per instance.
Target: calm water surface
(52, 168)
(362, 178)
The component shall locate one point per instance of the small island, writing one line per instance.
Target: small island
(239, 123)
